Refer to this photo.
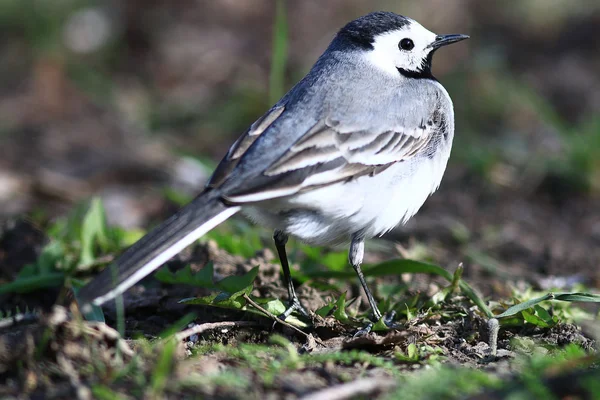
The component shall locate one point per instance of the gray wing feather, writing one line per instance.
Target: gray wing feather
(361, 148)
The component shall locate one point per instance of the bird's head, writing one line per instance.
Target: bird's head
(393, 43)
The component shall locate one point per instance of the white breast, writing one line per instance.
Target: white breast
(373, 205)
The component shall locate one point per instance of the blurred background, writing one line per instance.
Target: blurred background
(135, 101)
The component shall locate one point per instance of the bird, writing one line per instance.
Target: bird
(353, 150)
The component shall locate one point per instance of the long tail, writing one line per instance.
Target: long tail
(157, 247)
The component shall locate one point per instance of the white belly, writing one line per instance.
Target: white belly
(373, 205)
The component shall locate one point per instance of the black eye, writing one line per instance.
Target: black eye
(406, 44)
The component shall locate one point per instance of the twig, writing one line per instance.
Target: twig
(105, 259)
(276, 318)
(352, 389)
(213, 325)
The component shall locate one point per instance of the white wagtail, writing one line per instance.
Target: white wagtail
(351, 151)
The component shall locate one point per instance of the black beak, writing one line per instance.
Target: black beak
(443, 40)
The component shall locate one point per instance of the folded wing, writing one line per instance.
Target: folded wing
(331, 152)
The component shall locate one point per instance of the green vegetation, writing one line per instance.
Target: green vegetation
(78, 243)
(279, 54)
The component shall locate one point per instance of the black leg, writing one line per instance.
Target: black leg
(355, 256)
(281, 239)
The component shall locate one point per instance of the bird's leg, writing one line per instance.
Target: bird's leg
(281, 239)
(355, 256)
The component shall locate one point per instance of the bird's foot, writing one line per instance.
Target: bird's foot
(388, 320)
(294, 305)
(364, 331)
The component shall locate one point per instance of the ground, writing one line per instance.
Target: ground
(237, 354)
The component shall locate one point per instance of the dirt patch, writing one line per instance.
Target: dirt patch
(58, 356)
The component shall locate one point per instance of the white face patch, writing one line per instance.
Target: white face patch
(388, 56)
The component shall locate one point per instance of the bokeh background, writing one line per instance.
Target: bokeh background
(135, 101)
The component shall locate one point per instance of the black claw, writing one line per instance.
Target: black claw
(364, 331)
(294, 305)
(302, 310)
(388, 319)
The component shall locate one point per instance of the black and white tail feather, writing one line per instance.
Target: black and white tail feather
(165, 241)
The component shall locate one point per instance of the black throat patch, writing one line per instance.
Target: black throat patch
(423, 73)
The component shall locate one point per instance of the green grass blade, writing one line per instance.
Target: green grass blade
(563, 296)
(403, 266)
(279, 54)
(29, 284)
(95, 314)
(524, 306)
(93, 230)
(578, 297)
(475, 298)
